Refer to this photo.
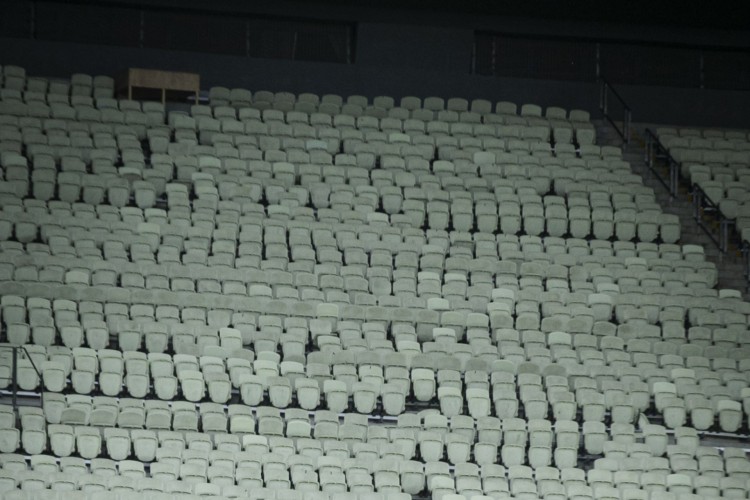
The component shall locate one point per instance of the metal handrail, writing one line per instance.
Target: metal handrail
(605, 89)
(701, 200)
(655, 149)
(14, 370)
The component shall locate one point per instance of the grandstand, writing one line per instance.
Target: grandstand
(267, 294)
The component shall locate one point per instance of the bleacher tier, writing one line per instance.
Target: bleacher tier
(296, 297)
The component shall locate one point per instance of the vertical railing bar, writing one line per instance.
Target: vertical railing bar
(14, 373)
(598, 60)
(624, 129)
(142, 29)
(247, 38)
(15, 376)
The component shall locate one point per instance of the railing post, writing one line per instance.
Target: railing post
(656, 151)
(14, 375)
(628, 118)
(15, 351)
(724, 235)
(696, 202)
(622, 128)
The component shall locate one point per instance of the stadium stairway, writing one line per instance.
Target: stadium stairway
(729, 265)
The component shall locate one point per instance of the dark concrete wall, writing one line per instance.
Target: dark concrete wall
(429, 67)
(401, 58)
(694, 107)
(693, 22)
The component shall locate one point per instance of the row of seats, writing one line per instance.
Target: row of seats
(14, 78)
(531, 219)
(130, 487)
(271, 122)
(399, 442)
(79, 118)
(712, 325)
(295, 430)
(383, 106)
(157, 491)
(184, 312)
(640, 467)
(60, 138)
(60, 107)
(355, 438)
(123, 246)
(126, 228)
(675, 389)
(494, 169)
(357, 474)
(464, 286)
(291, 336)
(339, 442)
(27, 122)
(594, 203)
(490, 157)
(396, 121)
(699, 136)
(411, 103)
(553, 488)
(495, 182)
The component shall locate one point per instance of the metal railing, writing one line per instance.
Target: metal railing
(703, 205)
(614, 108)
(719, 228)
(14, 371)
(658, 160)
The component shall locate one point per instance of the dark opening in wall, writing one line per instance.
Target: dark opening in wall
(641, 64)
(15, 19)
(324, 42)
(517, 56)
(103, 25)
(300, 40)
(194, 32)
(726, 70)
(147, 26)
(620, 62)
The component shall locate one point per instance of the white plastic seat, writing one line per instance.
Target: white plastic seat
(423, 383)
(118, 443)
(451, 401)
(308, 393)
(61, 440)
(337, 396)
(730, 414)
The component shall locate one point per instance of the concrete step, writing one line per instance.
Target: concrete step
(683, 213)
